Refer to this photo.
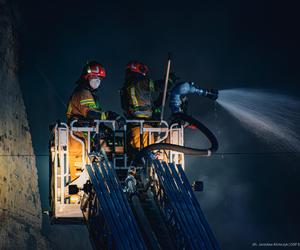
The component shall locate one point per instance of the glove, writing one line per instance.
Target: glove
(121, 121)
(118, 118)
(112, 115)
(212, 94)
(156, 114)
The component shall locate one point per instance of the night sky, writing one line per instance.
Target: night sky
(222, 45)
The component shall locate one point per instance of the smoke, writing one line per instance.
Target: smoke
(236, 185)
(272, 117)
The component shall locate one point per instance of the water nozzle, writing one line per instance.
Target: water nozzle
(212, 94)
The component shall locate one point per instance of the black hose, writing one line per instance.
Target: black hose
(200, 126)
(186, 150)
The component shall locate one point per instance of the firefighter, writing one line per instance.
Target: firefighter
(84, 105)
(178, 96)
(138, 98)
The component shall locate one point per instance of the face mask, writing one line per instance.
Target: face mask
(95, 83)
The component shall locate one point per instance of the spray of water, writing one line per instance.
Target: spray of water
(272, 117)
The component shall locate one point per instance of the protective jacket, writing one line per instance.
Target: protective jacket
(138, 96)
(84, 104)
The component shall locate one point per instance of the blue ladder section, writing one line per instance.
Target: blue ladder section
(187, 210)
(114, 206)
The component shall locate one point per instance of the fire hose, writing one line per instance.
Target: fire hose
(181, 117)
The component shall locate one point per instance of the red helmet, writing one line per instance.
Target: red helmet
(93, 69)
(138, 67)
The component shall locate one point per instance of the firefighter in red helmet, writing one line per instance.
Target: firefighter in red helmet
(139, 97)
(84, 105)
(138, 90)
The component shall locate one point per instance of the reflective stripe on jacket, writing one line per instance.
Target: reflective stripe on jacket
(140, 98)
(81, 102)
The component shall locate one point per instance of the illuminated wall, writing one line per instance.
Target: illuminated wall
(20, 208)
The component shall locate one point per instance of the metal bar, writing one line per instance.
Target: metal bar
(175, 203)
(142, 135)
(192, 210)
(88, 147)
(67, 153)
(113, 225)
(55, 169)
(120, 191)
(125, 203)
(112, 204)
(117, 200)
(181, 137)
(125, 145)
(62, 168)
(83, 129)
(199, 210)
(183, 208)
(166, 87)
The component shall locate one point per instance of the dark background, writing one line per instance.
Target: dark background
(223, 45)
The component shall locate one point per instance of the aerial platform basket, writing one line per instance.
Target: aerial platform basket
(126, 203)
(67, 206)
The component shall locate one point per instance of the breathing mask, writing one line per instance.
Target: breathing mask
(95, 83)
